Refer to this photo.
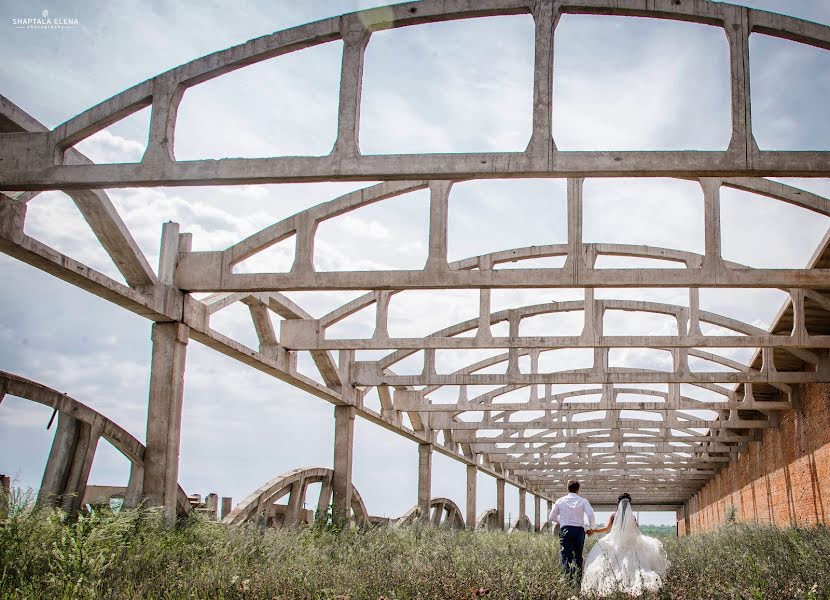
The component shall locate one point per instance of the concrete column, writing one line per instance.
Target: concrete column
(500, 502)
(472, 480)
(355, 37)
(343, 450)
(227, 506)
(325, 499)
(687, 519)
(438, 218)
(537, 513)
(424, 480)
(544, 18)
(549, 508)
(70, 460)
(439, 513)
(60, 458)
(164, 417)
(212, 506)
(522, 502)
(135, 487)
(84, 453)
(295, 502)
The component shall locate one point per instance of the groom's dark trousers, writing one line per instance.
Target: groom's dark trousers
(573, 541)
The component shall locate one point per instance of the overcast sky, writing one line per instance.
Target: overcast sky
(461, 86)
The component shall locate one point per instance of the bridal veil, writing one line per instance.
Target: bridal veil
(625, 559)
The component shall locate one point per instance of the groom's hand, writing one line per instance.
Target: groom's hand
(590, 532)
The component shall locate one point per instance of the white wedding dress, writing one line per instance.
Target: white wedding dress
(625, 560)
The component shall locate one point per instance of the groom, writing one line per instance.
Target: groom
(570, 512)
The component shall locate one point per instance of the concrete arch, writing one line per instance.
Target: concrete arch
(443, 513)
(304, 224)
(73, 450)
(165, 91)
(521, 524)
(261, 504)
(550, 528)
(489, 520)
(680, 313)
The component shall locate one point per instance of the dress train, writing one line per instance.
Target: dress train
(625, 560)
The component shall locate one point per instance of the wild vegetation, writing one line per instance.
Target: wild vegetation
(129, 554)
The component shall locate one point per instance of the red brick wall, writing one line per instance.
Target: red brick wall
(782, 480)
(681, 523)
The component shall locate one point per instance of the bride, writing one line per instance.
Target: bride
(625, 560)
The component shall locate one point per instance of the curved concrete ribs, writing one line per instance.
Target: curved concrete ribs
(47, 166)
(76, 439)
(522, 523)
(489, 520)
(664, 451)
(443, 512)
(213, 271)
(262, 503)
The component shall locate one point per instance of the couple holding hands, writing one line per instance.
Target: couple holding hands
(624, 560)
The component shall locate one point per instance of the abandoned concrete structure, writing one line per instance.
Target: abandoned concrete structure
(772, 412)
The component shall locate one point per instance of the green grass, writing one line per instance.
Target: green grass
(131, 555)
(661, 532)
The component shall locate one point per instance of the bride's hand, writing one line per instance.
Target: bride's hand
(590, 532)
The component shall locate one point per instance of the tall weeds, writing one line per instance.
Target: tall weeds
(131, 555)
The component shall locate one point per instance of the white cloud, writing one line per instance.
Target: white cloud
(105, 147)
(639, 84)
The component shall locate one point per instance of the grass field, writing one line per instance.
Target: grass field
(130, 555)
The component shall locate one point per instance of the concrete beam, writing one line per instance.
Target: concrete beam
(566, 341)
(558, 422)
(590, 449)
(637, 506)
(368, 374)
(204, 272)
(160, 303)
(42, 174)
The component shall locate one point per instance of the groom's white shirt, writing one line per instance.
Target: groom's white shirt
(571, 510)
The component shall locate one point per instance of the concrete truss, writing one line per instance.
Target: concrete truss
(443, 512)
(521, 523)
(38, 160)
(489, 520)
(526, 430)
(78, 431)
(262, 503)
